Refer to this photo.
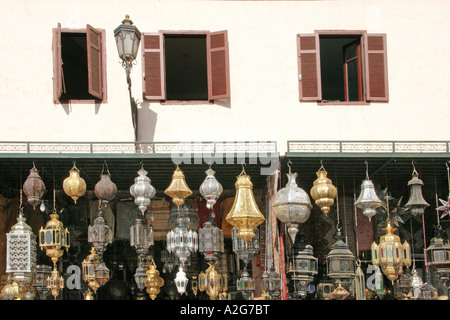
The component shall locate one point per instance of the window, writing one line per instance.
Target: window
(78, 65)
(346, 67)
(185, 66)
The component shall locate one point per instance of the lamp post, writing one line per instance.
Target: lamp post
(127, 40)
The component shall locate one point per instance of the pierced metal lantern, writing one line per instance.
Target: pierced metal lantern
(246, 285)
(368, 200)
(40, 280)
(210, 188)
(391, 254)
(178, 190)
(74, 185)
(302, 267)
(416, 203)
(271, 283)
(439, 254)
(34, 187)
(181, 280)
(21, 252)
(105, 189)
(141, 236)
(100, 235)
(341, 262)
(244, 215)
(153, 282)
(210, 239)
(182, 241)
(142, 190)
(292, 205)
(323, 191)
(245, 251)
(127, 40)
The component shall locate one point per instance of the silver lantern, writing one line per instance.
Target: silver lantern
(210, 189)
(187, 212)
(210, 240)
(246, 285)
(416, 203)
(141, 236)
(182, 241)
(21, 252)
(181, 280)
(292, 205)
(245, 252)
(100, 234)
(142, 190)
(368, 200)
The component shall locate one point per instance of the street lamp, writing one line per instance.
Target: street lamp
(127, 40)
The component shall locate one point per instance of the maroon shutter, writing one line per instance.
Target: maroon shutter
(58, 76)
(309, 80)
(94, 61)
(218, 65)
(376, 68)
(153, 67)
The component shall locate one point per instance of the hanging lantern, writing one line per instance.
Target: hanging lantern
(153, 281)
(302, 267)
(245, 251)
(244, 215)
(74, 186)
(341, 262)
(340, 293)
(210, 281)
(404, 284)
(292, 205)
(390, 254)
(102, 274)
(416, 284)
(178, 189)
(168, 260)
(34, 187)
(88, 295)
(439, 254)
(100, 235)
(55, 282)
(429, 292)
(416, 202)
(21, 251)
(324, 290)
(142, 190)
(141, 236)
(182, 241)
(368, 200)
(246, 285)
(210, 189)
(105, 189)
(185, 211)
(54, 238)
(271, 283)
(181, 281)
(140, 277)
(10, 291)
(40, 280)
(89, 266)
(194, 285)
(360, 283)
(323, 191)
(210, 240)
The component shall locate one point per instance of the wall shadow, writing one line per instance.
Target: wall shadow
(147, 119)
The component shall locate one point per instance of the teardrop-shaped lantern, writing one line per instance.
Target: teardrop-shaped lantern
(105, 189)
(34, 187)
(292, 205)
(244, 215)
(181, 281)
(178, 190)
(74, 186)
(153, 281)
(323, 191)
(210, 189)
(416, 203)
(142, 190)
(368, 200)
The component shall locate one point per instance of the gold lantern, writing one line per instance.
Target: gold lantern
(178, 189)
(244, 214)
(323, 191)
(74, 186)
(391, 254)
(154, 281)
(211, 281)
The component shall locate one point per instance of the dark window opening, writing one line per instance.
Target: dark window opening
(186, 67)
(74, 67)
(340, 61)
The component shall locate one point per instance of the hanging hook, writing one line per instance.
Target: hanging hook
(288, 164)
(367, 169)
(107, 168)
(321, 165)
(243, 169)
(414, 167)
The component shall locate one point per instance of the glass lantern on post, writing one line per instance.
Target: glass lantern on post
(302, 267)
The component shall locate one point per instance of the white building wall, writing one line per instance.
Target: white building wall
(264, 103)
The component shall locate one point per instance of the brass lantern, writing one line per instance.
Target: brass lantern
(178, 190)
(34, 187)
(210, 281)
(55, 282)
(54, 238)
(323, 191)
(416, 202)
(74, 185)
(153, 282)
(244, 214)
(89, 265)
(368, 200)
(292, 205)
(391, 254)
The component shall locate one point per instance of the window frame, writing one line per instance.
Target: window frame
(58, 72)
(312, 49)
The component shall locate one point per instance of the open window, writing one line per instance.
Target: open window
(185, 66)
(78, 65)
(342, 67)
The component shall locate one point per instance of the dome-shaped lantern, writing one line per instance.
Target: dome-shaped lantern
(74, 185)
(178, 190)
(368, 200)
(34, 187)
(323, 191)
(105, 189)
(416, 203)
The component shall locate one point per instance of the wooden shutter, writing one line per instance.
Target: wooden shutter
(94, 61)
(153, 67)
(218, 65)
(308, 55)
(58, 75)
(376, 68)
